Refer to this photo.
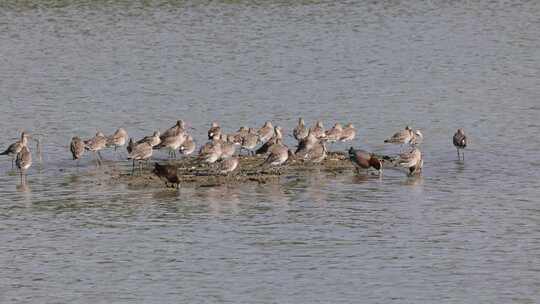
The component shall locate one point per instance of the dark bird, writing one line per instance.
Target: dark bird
(131, 145)
(460, 142)
(167, 172)
(362, 159)
(76, 147)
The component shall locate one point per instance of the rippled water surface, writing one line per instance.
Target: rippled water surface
(461, 233)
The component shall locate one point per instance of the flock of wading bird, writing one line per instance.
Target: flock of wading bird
(220, 152)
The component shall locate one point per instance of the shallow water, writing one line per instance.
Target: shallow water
(461, 233)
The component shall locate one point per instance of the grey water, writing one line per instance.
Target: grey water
(462, 232)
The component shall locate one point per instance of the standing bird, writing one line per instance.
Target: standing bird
(364, 160)
(228, 165)
(227, 146)
(402, 137)
(318, 130)
(318, 153)
(460, 142)
(140, 152)
(214, 131)
(24, 161)
(188, 147)
(179, 127)
(77, 148)
(95, 144)
(211, 151)
(172, 142)
(153, 140)
(266, 132)
(305, 145)
(239, 136)
(169, 173)
(278, 154)
(16, 147)
(249, 142)
(118, 139)
(300, 132)
(335, 133)
(277, 135)
(348, 133)
(406, 137)
(411, 160)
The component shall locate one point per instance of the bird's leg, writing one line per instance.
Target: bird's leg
(12, 162)
(457, 149)
(133, 168)
(463, 154)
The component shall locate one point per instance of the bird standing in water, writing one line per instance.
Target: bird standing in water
(95, 144)
(460, 142)
(77, 148)
(364, 160)
(16, 147)
(411, 160)
(24, 161)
